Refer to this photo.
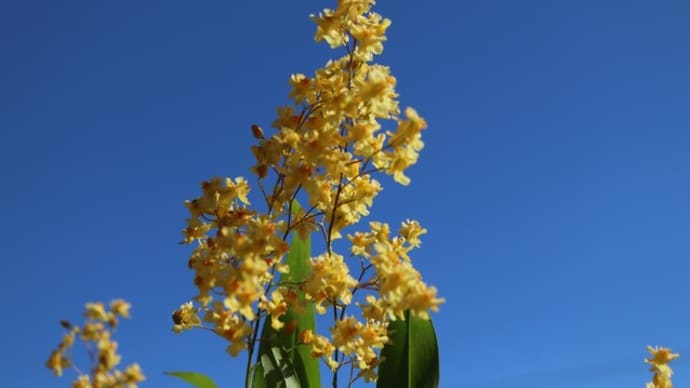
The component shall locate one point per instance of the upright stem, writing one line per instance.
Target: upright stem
(250, 351)
(334, 382)
(247, 376)
(329, 237)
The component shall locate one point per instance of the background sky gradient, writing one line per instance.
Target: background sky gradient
(554, 182)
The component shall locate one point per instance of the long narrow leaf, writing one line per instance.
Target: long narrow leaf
(258, 380)
(278, 372)
(296, 320)
(196, 379)
(411, 357)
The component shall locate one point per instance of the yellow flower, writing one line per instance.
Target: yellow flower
(374, 309)
(196, 230)
(92, 331)
(83, 381)
(238, 189)
(422, 299)
(306, 336)
(185, 318)
(329, 28)
(96, 311)
(236, 331)
(120, 308)
(276, 307)
(321, 347)
(242, 299)
(344, 334)
(410, 231)
(107, 356)
(360, 244)
(133, 374)
(57, 362)
(660, 355)
(377, 92)
(659, 361)
(302, 89)
(329, 280)
(369, 32)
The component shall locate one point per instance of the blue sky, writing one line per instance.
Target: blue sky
(554, 182)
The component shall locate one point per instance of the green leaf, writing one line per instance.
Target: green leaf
(411, 357)
(298, 356)
(278, 372)
(196, 379)
(258, 380)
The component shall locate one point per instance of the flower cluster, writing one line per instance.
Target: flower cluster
(360, 341)
(236, 253)
(330, 281)
(343, 127)
(321, 347)
(353, 338)
(399, 283)
(96, 334)
(659, 361)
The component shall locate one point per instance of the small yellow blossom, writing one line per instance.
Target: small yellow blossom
(369, 32)
(236, 331)
(83, 381)
(410, 231)
(276, 307)
(96, 312)
(330, 28)
(374, 309)
(57, 362)
(377, 92)
(133, 374)
(321, 347)
(185, 318)
(660, 355)
(659, 361)
(120, 308)
(92, 331)
(302, 89)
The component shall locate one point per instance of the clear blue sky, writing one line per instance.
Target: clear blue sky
(555, 182)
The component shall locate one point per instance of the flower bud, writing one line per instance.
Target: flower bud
(262, 170)
(257, 131)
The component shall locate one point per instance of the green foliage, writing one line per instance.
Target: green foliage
(285, 341)
(196, 379)
(411, 357)
(276, 371)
